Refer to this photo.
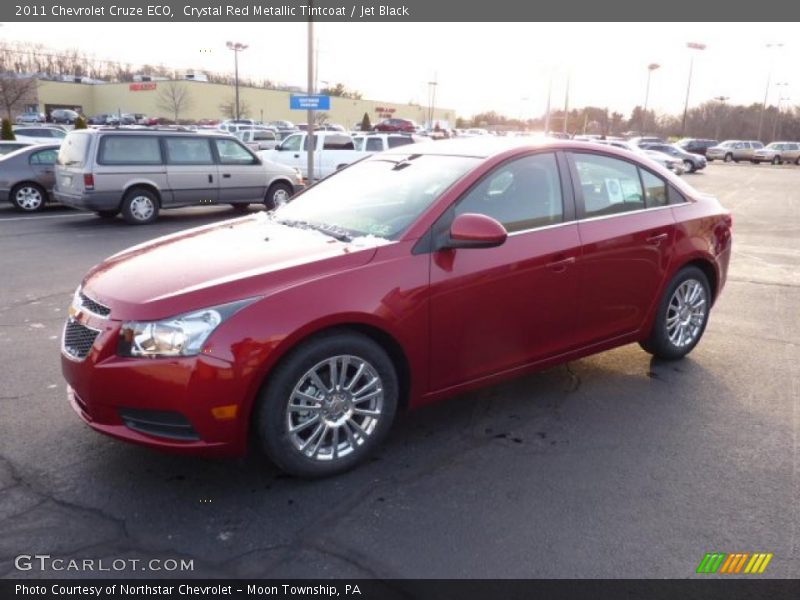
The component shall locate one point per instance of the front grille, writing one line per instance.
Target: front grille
(160, 423)
(78, 339)
(94, 307)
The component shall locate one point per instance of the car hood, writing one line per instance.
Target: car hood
(215, 264)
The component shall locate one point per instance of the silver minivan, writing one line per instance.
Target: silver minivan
(138, 172)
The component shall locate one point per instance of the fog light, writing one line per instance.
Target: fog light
(225, 413)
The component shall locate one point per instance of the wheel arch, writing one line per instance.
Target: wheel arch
(143, 185)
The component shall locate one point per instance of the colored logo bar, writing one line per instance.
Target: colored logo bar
(738, 562)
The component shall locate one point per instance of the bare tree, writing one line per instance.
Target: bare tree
(173, 98)
(16, 92)
(228, 109)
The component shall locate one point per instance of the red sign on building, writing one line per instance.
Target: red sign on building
(141, 87)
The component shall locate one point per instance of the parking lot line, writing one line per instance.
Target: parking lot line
(42, 217)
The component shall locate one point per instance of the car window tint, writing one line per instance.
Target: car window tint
(292, 143)
(609, 185)
(655, 189)
(233, 153)
(374, 145)
(522, 194)
(129, 150)
(359, 143)
(394, 142)
(188, 151)
(45, 157)
(338, 142)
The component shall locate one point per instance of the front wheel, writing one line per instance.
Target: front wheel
(729, 158)
(682, 316)
(688, 166)
(777, 160)
(278, 194)
(328, 405)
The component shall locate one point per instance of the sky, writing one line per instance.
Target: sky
(506, 67)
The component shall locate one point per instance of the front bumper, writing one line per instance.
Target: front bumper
(105, 390)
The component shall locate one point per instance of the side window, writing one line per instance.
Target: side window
(359, 143)
(374, 145)
(188, 151)
(655, 189)
(233, 153)
(675, 197)
(609, 185)
(292, 143)
(45, 157)
(129, 150)
(338, 142)
(522, 194)
(396, 141)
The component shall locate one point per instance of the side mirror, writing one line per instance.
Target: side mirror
(278, 147)
(472, 230)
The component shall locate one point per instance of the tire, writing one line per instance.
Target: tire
(329, 422)
(107, 214)
(140, 206)
(777, 160)
(680, 315)
(278, 194)
(688, 166)
(28, 197)
(728, 158)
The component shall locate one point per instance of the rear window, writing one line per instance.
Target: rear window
(394, 142)
(129, 150)
(74, 149)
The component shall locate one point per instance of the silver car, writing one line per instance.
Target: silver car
(778, 153)
(138, 172)
(27, 176)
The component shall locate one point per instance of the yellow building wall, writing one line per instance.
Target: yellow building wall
(205, 100)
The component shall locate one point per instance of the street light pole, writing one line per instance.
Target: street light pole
(432, 99)
(779, 85)
(650, 68)
(566, 105)
(691, 46)
(775, 45)
(721, 100)
(310, 138)
(547, 110)
(236, 47)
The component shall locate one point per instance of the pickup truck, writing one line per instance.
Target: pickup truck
(332, 151)
(258, 139)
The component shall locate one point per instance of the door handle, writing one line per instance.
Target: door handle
(657, 239)
(561, 264)
(226, 175)
(210, 179)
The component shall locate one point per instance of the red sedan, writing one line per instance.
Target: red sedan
(397, 125)
(408, 277)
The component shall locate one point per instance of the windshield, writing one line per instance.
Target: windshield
(379, 196)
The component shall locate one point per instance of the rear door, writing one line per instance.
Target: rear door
(192, 172)
(242, 177)
(627, 234)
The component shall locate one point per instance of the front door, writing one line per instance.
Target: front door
(498, 308)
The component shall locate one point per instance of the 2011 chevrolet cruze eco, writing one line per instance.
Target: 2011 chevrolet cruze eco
(410, 276)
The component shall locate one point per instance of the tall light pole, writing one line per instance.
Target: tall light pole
(236, 47)
(566, 105)
(721, 100)
(691, 46)
(432, 99)
(310, 114)
(777, 46)
(650, 68)
(781, 85)
(547, 110)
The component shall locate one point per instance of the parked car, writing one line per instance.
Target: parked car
(31, 117)
(99, 119)
(646, 139)
(396, 125)
(8, 146)
(665, 160)
(39, 134)
(691, 162)
(733, 150)
(332, 151)
(413, 275)
(696, 145)
(258, 139)
(138, 172)
(63, 115)
(27, 176)
(378, 142)
(778, 153)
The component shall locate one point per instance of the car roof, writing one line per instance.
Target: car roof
(488, 146)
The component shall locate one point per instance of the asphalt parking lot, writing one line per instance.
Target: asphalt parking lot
(613, 466)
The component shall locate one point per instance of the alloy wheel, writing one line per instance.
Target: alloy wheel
(686, 313)
(28, 198)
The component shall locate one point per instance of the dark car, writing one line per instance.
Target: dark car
(410, 276)
(65, 116)
(696, 145)
(405, 125)
(27, 176)
(691, 162)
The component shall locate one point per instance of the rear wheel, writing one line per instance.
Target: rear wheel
(777, 160)
(278, 194)
(140, 207)
(29, 197)
(682, 316)
(328, 405)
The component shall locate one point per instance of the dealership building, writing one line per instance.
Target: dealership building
(204, 101)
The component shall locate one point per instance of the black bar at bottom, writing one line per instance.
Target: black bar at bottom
(404, 589)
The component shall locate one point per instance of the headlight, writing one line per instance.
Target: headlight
(183, 335)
